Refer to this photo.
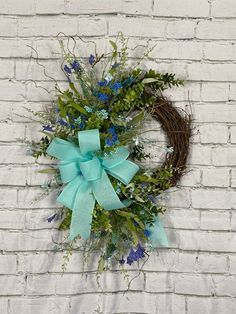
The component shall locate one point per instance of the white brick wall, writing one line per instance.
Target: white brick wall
(196, 39)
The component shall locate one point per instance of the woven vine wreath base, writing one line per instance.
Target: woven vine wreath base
(176, 124)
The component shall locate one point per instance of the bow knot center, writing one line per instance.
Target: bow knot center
(91, 169)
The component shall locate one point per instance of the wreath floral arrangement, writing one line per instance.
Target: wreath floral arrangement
(110, 200)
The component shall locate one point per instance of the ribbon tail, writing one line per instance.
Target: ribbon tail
(105, 194)
(82, 212)
(158, 235)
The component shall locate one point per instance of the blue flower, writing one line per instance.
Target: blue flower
(47, 128)
(135, 255)
(51, 218)
(91, 59)
(75, 65)
(103, 97)
(62, 122)
(114, 137)
(147, 233)
(116, 86)
(102, 83)
(67, 69)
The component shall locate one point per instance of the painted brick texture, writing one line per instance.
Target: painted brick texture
(197, 274)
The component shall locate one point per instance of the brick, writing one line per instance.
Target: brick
(181, 8)
(225, 286)
(92, 27)
(215, 113)
(233, 134)
(95, 302)
(52, 7)
(15, 155)
(211, 305)
(193, 284)
(180, 29)
(212, 220)
(8, 198)
(41, 240)
(12, 220)
(232, 264)
(170, 303)
(8, 26)
(200, 155)
(105, 6)
(178, 50)
(12, 91)
(7, 69)
(212, 72)
(189, 91)
(14, 48)
(207, 241)
(21, 7)
(32, 198)
(47, 49)
(34, 177)
(225, 8)
(159, 282)
(233, 178)
(224, 156)
(8, 264)
(38, 220)
(184, 219)
(216, 30)
(232, 91)
(219, 51)
(30, 70)
(4, 306)
(212, 263)
(233, 221)
(11, 285)
(42, 262)
(214, 133)
(46, 26)
(13, 176)
(191, 178)
(11, 132)
(46, 305)
(178, 198)
(72, 284)
(214, 92)
(213, 199)
(215, 177)
(133, 27)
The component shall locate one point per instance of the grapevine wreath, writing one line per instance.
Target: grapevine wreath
(110, 200)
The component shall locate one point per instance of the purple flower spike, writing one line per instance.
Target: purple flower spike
(67, 69)
(91, 59)
(51, 218)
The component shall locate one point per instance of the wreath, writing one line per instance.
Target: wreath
(111, 200)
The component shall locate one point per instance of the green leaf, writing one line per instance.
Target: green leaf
(61, 107)
(101, 265)
(78, 107)
(48, 171)
(114, 45)
(149, 80)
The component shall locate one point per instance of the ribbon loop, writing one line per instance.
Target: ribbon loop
(87, 178)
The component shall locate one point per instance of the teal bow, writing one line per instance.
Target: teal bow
(86, 176)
